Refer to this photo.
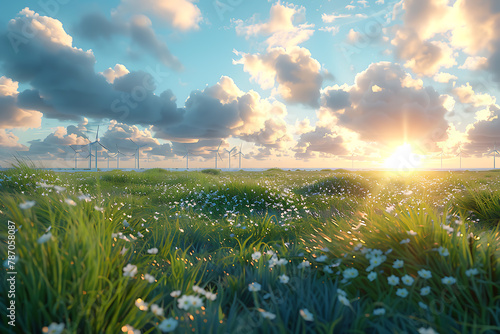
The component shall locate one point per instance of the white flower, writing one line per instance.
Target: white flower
(196, 302)
(125, 223)
(84, 197)
(304, 264)
(130, 330)
(59, 189)
(270, 253)
(327, 270)
(123, 251)
(429, 330)
(377, 260)
(350, 273)
(425, 291)
(44, 238)
(141, 304)
(129, 270)
(448, 280)
(407, 280)
(407, 192)
(423, 305)
(158, 311)
(210, 296)
(140, 235)
(282, 262)
(267, 315)
(341, 292)
(322, 258)
(168, 325)
(443, 251)
(98, 208)
(411, 232)
(379, 311)
(471, 272)
(175, 293)
(390, 208)
(425, 273)
(404, 241)
(254, 287)
(389, 251)
(184, 303)
(284, 279)
(54, 328)
(153, 251)
(398, 264)
(199, 290)
(372, 276)
(256, 256)
(149, 278)
(69, 201)
(27, 205)
(402, 292)
(343, 300)
(393, 280)
(308, 316)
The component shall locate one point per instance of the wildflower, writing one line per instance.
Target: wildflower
(425, 273)
(153, 251)
(425, 291)
(184, 303)
(377, 260)
(341, 292)
(429, 330)
(372, 276)
(393, 280)
(350, 273)
(306, 315)
(390, 208)
(443, 251)
(175, 293)
(129, 270)
(404, 241)
(27, 205)
(327, 270)
(343, 300)
(196, 302)
(267, 315)
(59, 189)
(149, 278)
(125, 223)
(407, 280)
(97, 208)
(389, 251)
(448, 280)
(158, 311)
(130, 330)
(44, 238)
(168, 325)
(411, 232)
(254, 287)
(210, 296)
(282, 262)
(471, 272)
(304, 264)
(84, 197)
(270, 253)
(402, 292)
(54, 328)
(423, 305)
(407, 192)
(284, 279)
(398, 264)
(199, 290)
(69, 201)
(141, 304)
(379, 311)
(322, 258)
(140, 235)
(256, 256)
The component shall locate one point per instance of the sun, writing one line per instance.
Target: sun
(403, 158)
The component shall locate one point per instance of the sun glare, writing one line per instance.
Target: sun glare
(403, 158)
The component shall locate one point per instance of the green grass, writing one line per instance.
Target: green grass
(207, 229)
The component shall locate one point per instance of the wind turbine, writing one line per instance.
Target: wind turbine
(441, 154)
(137, 153)
(352, 160)
(494, 151)
(187, 157)
(96, 143)
(217, 155)
(229, 153)
(76, 156)
(239, 154)
(460, 155)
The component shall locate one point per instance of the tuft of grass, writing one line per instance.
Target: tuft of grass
(211, 171)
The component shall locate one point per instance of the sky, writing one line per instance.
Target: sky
(318, 84)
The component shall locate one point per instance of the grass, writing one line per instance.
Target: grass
(96, 251)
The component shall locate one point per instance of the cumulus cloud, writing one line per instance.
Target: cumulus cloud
(330, 18)
(444, 77)
(180, 14)
(138, 28)
(400, 110)
(297, 74)
(11, 116)
(474, 63)
(318, 141)
(484, 133)
(112, 73)
(284, 26)
(466, 94)
(8, 140)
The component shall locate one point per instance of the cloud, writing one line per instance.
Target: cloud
(9, 141)
(474, 63)
(283, 27)
(444, 77)
(117, 72)
(319, 140)
(466, 94)
(332, 30)
(484, 133)
(138, 28)
(329, 18)
(11, 116)
(297, 74)
(179, 14)
(400, 110)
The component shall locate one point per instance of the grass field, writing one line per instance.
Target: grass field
(251, 252)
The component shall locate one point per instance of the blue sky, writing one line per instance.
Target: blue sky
(297, 83)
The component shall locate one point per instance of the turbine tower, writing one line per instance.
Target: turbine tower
(441, 154)
(187, 157)
(229, 153)
(494, 151)
(460, 155)
(137, 153)
(239, 154)
(96, 143)
(217, 155)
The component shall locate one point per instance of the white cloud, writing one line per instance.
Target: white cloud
(112, 73)
(329, 18)
(466, 94)
(474, 63)
(444, 77)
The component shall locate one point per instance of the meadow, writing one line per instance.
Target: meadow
(241, 252)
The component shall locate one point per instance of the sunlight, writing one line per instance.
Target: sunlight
(403, 158)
